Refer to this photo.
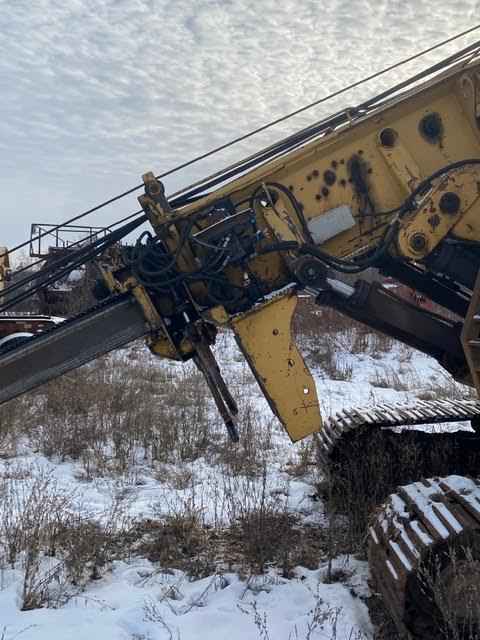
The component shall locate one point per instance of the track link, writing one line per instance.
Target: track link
(424, 555)
(410, 539)
(341, 427)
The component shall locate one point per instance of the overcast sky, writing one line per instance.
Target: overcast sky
(96, 92)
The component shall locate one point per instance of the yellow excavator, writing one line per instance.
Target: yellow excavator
(392, 184)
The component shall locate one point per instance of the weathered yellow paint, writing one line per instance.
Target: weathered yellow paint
(150, 312)
(341, 167)
(265, 338)
(319, 174)
(162, 347)
(432, 224)
(159, 340)
(401, 163)
(283, 226)
(468, 225)
(304, 170)
(218, 315)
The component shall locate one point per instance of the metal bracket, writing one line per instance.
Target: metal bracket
(154, 202)
(451, 199)
(470, 85)
(279, 220)
(264, 336)
(399, 160)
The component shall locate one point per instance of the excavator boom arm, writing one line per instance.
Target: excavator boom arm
(392, 184)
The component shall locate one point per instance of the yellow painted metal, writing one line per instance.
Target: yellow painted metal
(320, 173)
(425, 229)
(468, 225)
(110, 280)
(154, 202)
(470, 90)
(163, 347)
(159, 340)
(218, 315)
(280, 221)
(401, 163)
(150, 312)
(265, 338)
(165, 222)
(369, 165)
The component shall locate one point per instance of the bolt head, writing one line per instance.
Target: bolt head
(418, 242)
(449, 203)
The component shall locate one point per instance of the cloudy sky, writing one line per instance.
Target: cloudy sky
(96, 92)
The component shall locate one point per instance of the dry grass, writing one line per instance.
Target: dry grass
(252, 532)
(322, 621)
(126, 413)
(447, 589)
(44, 533)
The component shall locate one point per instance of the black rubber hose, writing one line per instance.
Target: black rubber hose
(409, 203)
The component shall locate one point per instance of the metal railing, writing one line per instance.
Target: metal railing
(46, 239)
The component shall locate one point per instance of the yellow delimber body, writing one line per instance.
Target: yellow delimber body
(349, 184)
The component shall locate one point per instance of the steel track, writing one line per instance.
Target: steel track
(340, 428)
(424, 554)
(95, 332)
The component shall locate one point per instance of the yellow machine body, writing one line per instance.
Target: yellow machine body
(349, 185)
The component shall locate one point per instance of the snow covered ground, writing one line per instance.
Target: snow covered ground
(138, 599)
(134, 601)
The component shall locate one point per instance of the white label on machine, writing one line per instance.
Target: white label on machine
(330, 224)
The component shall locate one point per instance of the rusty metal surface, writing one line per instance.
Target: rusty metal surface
(14, 323)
